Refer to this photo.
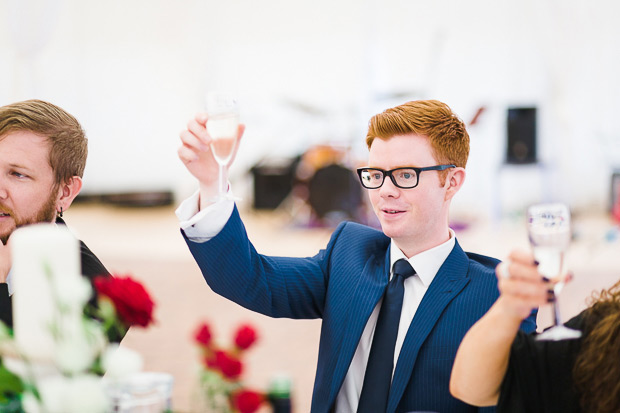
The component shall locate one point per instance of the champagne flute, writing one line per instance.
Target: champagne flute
(223, 128)
(549, 231)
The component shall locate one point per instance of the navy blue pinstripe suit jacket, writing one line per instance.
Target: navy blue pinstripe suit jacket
(342, 284)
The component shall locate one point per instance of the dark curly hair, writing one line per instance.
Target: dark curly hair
(596, 372)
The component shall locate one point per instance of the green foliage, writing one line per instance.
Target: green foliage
(10, 385)
(105, 313)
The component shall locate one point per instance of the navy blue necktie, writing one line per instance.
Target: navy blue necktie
(378, 376)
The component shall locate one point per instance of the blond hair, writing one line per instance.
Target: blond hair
(69, 145)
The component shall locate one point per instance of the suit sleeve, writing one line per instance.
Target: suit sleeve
(274, 286)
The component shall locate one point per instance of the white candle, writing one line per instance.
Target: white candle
(44, 257)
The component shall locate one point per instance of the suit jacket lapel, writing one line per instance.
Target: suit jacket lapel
(369, 289)
(447, 284)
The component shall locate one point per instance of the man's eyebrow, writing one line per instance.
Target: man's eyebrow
(20, 166)
(391, 169)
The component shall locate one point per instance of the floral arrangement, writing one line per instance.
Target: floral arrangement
(84, 349)
(221, 389)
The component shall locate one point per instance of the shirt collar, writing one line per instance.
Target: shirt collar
(9, 283)
(426, 263)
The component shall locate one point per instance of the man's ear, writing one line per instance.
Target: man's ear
(67, 193)
(454, 181)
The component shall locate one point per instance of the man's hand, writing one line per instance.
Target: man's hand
(195, 153)
(5, 261)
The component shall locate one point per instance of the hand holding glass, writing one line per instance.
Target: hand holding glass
(223, 128)
(549, 231)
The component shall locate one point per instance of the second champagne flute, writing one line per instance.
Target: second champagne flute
(223, 128)
(549, 230)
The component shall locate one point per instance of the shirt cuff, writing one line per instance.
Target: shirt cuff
(201, 226)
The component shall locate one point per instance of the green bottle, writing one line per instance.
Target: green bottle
(280, 394)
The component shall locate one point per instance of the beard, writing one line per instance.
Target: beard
(47, 213)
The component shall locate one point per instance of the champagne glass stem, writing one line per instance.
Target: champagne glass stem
(222, 180)
(557, 320)
(557, 288)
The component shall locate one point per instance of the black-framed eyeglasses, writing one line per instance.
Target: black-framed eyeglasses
(406, 177)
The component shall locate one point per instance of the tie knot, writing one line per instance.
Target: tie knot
(403, 268)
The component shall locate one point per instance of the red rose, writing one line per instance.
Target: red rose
(247, 401)
(245, 337)
(203, 335)
(210, 362)
(230, 366)
(131, 301)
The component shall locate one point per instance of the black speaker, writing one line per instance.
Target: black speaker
(273, 181)
(335, 189)
(521, 147)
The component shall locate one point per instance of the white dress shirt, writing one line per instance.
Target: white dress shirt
(9, 283)
(201, 226)
(426, 264)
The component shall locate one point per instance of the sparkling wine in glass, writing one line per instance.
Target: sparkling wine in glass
(223, 127)
(549, 231)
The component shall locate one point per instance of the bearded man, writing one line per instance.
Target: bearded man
(43, 152)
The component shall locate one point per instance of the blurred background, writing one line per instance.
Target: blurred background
(535, 81)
